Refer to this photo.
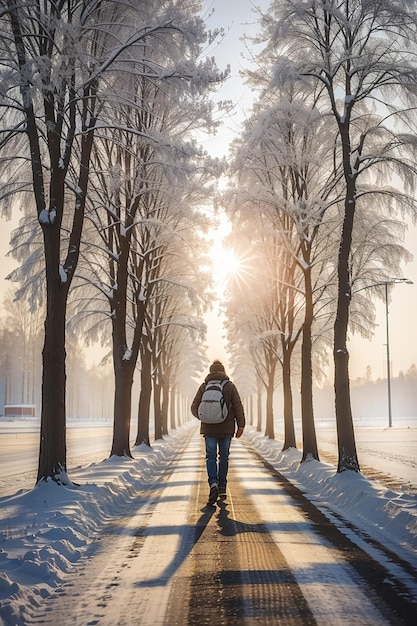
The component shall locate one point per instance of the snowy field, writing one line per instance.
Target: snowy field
(45, 531)
(392, 451)
(87, 441)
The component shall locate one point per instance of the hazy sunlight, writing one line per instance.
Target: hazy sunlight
(225, 262)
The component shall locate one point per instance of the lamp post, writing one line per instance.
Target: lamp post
(385, 284)
(392, 281)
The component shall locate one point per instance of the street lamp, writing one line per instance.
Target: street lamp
(385, 284)
(392, 281)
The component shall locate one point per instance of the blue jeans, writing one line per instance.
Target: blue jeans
(217, 471)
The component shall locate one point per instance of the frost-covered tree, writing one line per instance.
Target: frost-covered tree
(363, 56)
(58, 69)
(43, 87)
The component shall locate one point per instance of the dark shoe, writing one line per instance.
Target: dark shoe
(214, 493)
(222, 490)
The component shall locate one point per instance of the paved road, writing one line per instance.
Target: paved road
(263, 555)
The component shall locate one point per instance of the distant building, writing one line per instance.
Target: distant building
(20, 410)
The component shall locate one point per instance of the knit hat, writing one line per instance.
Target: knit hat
(217, 366)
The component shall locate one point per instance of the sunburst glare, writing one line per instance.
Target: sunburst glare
(226, 262)
(228, 265)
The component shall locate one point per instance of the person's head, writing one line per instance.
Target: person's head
(217, 366)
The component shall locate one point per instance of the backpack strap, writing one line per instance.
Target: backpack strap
(219, 383)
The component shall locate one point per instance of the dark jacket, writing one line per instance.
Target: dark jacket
(236, 414)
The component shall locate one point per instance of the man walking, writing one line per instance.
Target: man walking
(218, 436)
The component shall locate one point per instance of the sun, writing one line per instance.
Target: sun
(228, 265)
(226, 262)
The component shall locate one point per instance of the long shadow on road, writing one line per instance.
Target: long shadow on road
(190, 535)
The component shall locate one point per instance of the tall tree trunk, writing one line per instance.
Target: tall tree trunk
(348, 459)
(250, 411)
(307, 412)
(164, 408)
(124, 358)
(269, 429)
(179, 408)
(157, 410)
(259, 404)
(52, 450)
(172, 405)
(144, 407)
(344, 420)
(289, 431)
(23, 372)
(123, 379)
(52, 454)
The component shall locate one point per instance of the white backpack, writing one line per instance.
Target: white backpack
(213, 408)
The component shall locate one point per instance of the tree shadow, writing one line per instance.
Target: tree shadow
(190, 535)
(229, 527)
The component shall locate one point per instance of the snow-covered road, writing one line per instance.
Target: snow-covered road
(264, 555)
